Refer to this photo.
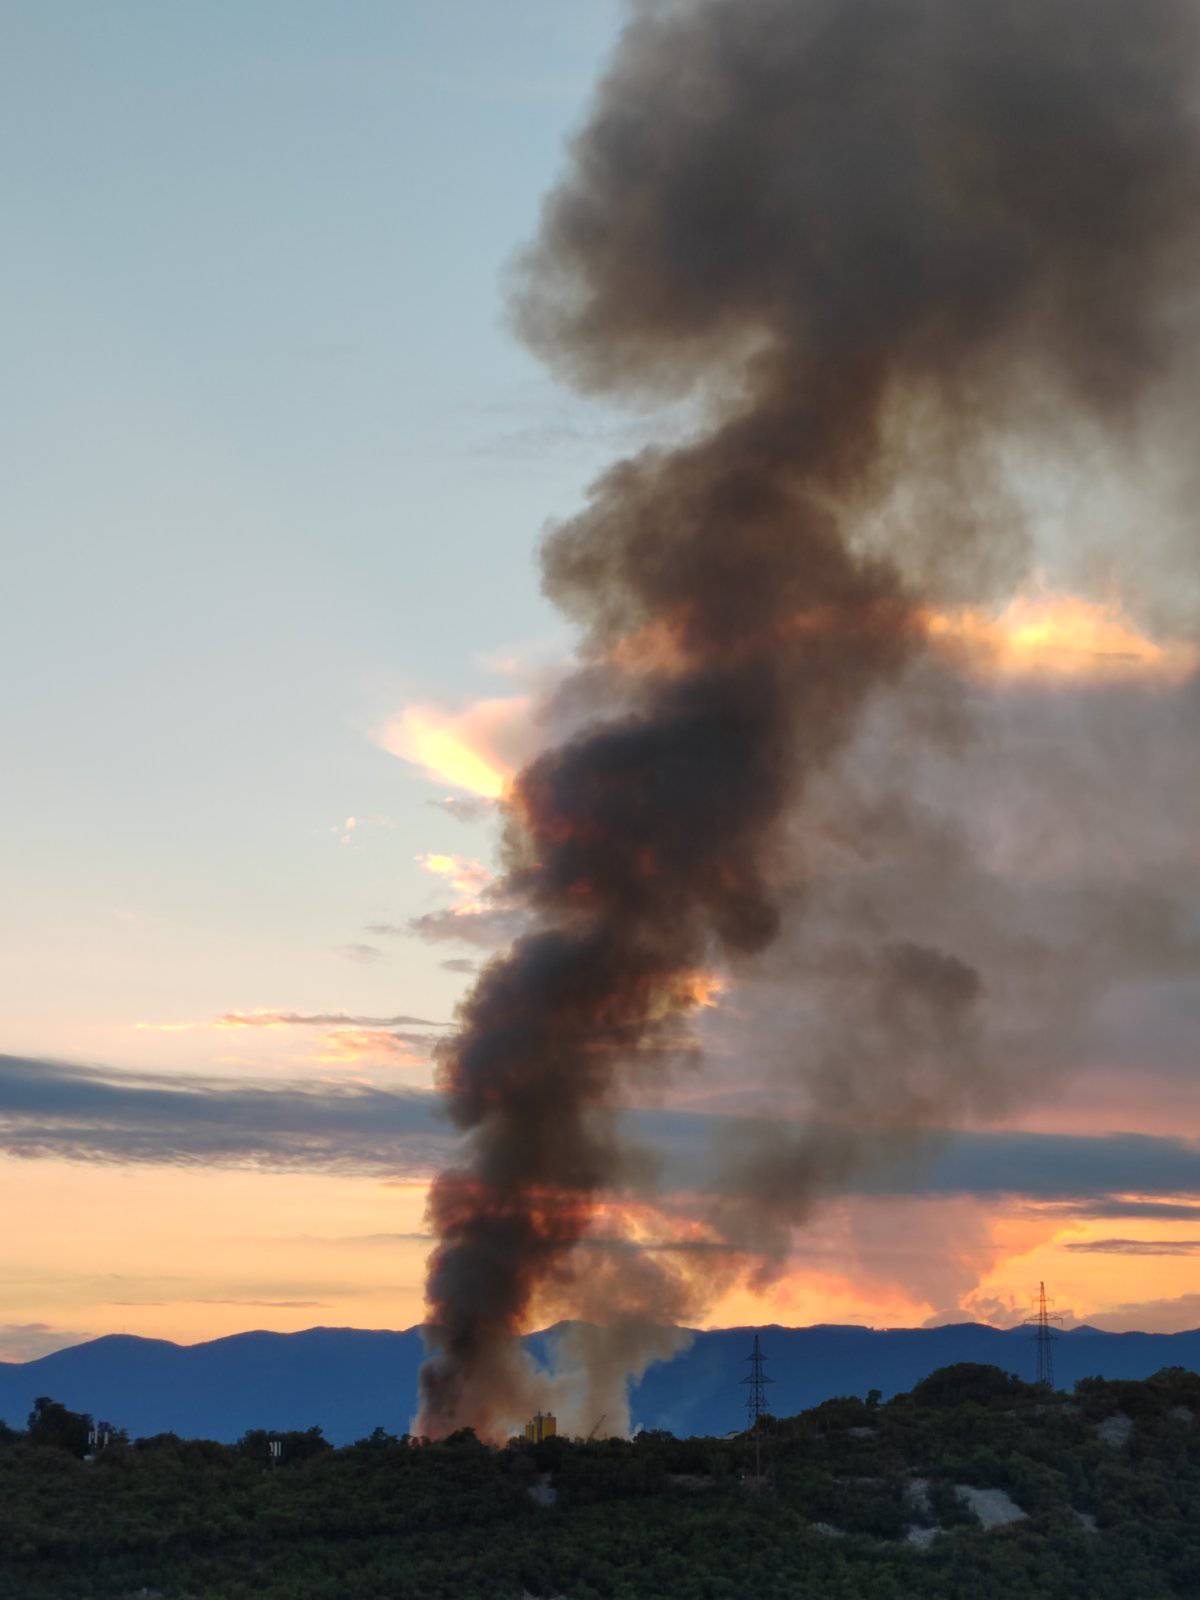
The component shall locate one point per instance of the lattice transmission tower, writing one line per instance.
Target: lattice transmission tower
(1043, 1337)
(756, 1381)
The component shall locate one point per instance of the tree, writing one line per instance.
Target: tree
(380, 1439)
(466, 1436)
(967, 1381)
(50, 1423)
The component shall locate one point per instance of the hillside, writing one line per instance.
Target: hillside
(351, 1380)
(973, 1487)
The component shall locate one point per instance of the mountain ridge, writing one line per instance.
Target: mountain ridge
(351, 1380)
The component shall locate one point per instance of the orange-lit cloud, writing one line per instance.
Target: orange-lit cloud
(803, 1298)
(467, 876)
(267, 1018)
(705, 989)
(1059, 636)
(913, 1260)
(477, 750)
(341, 1038)
(1146, 1283)
(905, 1261)
(344, 1046)
(1117, 1259)
(484, 914)
(1039, 636)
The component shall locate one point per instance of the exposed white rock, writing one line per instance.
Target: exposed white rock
(916, 1492)
(543, 1492)
(993, 1507)
(921, 1537)
(1116, 1429)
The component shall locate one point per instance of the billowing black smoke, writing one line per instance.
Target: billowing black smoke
(872, 238)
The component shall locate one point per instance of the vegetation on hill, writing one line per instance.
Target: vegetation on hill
(858, 1501)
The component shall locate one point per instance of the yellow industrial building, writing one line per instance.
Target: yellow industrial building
(539, 1427)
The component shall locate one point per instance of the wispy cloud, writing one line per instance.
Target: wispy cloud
(468, 876)
(350, 1038)
(487, 923)
(360, 952)
(377, 1238)
(1136, 1247)
(476, 750)
(198, 1300)
(374, 1044)
(1066, 1166)
(1044, 635)
(486, 926)
(318, 1019)
(73, 1112)
(346, 1037)
(50, 1108)
(1150, 1316)
(1120, 1207)
(484, 915)
(267, 1018)
(466, 808)
(26, 1341)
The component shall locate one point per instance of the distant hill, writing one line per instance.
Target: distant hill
(351, 1380)
(697, 1391)
(347, 1380)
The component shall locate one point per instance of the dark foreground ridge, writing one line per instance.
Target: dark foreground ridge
(975, 1486)
(351, 1380)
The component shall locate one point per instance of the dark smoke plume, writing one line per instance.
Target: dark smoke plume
(874, 239)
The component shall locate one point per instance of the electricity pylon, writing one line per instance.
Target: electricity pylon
(1044, 1337)
(756, 1381)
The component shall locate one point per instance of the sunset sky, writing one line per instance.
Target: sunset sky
(275, 646)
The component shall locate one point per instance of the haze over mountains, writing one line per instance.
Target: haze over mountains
(349, 1381)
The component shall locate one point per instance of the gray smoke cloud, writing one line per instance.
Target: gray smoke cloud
(1051, 855)
(890, 247)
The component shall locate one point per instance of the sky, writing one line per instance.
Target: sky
(274, 644)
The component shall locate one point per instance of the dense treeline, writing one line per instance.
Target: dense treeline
(1109, 1480)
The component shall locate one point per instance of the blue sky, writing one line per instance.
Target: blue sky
(277, 465)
